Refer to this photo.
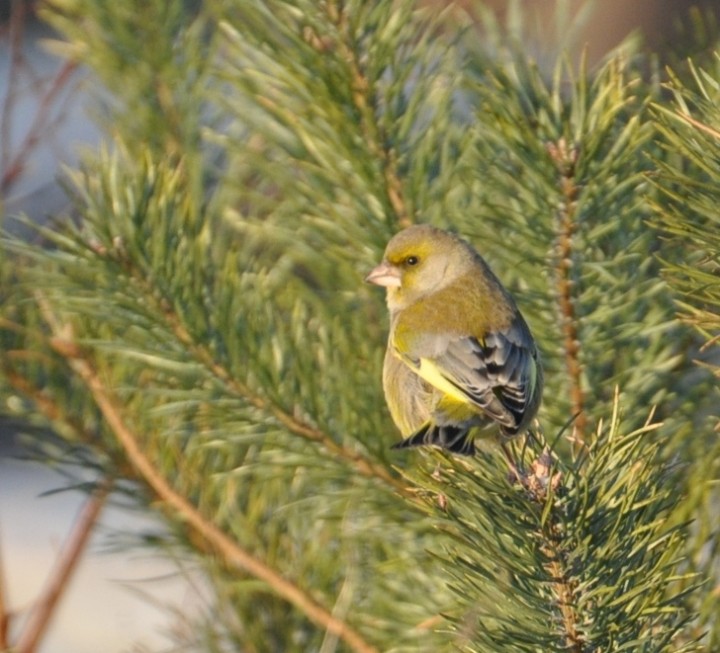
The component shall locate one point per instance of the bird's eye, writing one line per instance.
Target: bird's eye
(412, 260)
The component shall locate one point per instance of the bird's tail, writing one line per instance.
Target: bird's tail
(451, 438)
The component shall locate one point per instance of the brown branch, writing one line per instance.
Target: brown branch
(12, 165)
(207, 536)
(565, 159)
(364, 466)
(565, 592)
(5, 614)
(564, 586)
(230, 552)
(44, 611)
(57, 583)
(16, 26)
(38, 128)
(543, 483)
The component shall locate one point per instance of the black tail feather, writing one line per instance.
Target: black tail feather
(451, 438)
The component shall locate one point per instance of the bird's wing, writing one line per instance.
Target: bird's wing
(496, 373)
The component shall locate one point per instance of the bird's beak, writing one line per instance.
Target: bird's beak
(384, 275)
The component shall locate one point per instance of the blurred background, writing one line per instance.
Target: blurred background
(660, 23)
(119, 600)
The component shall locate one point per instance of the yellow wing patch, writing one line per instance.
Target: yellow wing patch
(433, 375)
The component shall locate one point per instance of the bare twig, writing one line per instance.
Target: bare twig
(13, 162)
(45, 606)
(231, 553)
(5, 615)
(36, 626)
(41, 124)
(38, 129)
(15, 31)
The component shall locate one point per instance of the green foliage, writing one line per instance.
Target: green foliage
(206, 349)
(591, 534)
(152, 58)
(688, 178)
(262, 153)
(691, 129)
(562, 204)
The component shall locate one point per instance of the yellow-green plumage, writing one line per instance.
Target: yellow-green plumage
(459, 354)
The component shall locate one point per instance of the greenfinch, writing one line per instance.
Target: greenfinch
(459, 355)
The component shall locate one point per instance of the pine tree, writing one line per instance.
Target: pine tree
(199, 335)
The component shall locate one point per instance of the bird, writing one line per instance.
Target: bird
(459, 355)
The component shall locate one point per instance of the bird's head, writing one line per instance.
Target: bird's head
(418, 261)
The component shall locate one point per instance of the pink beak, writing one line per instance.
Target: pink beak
(384, 275)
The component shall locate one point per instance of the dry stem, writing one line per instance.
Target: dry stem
(13, 164)
(66, 564)
(4, 611)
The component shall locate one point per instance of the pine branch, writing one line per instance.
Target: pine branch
(213, 284)
(564, 157)
(562, 205)
(372, 80)
(230, 552)
(576, 556)
(204, 534)
(364, 465)
(554, 548)
(366, 101)
(51, 410)
(295, 425)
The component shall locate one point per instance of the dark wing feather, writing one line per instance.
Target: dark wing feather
(450, 437)
(498, 374)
